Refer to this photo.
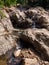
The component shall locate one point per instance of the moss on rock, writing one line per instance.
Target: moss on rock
(2, 15)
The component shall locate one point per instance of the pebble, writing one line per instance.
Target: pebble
(17, 53)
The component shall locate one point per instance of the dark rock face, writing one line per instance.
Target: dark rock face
(19, 18)
(39, 38)
(26, 18)
(40, 16)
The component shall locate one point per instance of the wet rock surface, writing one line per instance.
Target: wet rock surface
(40, 17)
(28, 61)
(19, 18)
(14, 61)
(24, 36)
(17, 53)
(39, 39)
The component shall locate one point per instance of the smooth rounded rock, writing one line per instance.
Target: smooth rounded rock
(17, 53)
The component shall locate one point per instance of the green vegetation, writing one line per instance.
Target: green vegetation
(12, 2)
(7, 2)
(2, 14)
(43, 3)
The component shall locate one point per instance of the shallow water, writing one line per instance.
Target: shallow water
(9, 58)
(3, 60)
(14, 61)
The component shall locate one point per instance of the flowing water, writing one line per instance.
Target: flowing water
(34, 25)
(15, 61)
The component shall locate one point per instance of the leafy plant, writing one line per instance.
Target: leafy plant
(43, 3)
(7, 2)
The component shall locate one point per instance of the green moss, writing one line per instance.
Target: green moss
(2, 15)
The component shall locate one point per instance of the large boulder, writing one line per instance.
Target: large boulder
(5, 21)
(7, 42)
(39, 39)
(28, 61)
(19, 18)
(40, 17)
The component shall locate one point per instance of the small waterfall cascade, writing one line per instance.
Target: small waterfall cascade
(34, 24)
(17, 60)
(18, 46)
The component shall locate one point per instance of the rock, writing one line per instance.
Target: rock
(46, 62)
(39, 38)
(7, 24)
(40, 17)
(14, 61)
(7, 41)
(17, 53)
(28, 61)
(5, 13)
(28, 53)
(5, 21)
(26, 23)
(19, 19)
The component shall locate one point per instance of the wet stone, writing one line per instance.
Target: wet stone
(14, 61)
(28, 61)
(17, 53)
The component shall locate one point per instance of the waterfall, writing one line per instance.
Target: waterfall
(18, 46)
(34, 24)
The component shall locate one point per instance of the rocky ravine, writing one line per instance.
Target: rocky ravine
(26, 30)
